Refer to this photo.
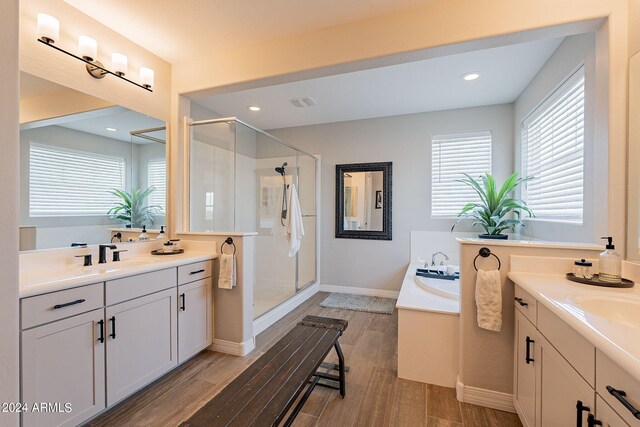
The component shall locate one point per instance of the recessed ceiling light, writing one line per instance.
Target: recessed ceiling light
(111, 129)
(253, 108)
(470, 76)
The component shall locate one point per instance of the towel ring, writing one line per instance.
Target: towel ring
(485, 253)
(228, 241)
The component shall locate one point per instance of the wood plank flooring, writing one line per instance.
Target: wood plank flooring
(375, 395)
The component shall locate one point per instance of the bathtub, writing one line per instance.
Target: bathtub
(428, 329)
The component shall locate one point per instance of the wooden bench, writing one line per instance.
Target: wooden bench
(263, 394)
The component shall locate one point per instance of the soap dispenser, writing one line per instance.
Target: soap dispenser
(610, 263)
(143, 237)
(162, 237)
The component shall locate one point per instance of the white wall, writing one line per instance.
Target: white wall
(573, 52)
(9, 181)
(405, 141)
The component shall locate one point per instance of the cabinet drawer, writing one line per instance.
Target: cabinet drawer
(136, 286)
(608, 373)
(526, 304)
(579, 352)
(58, 305)
(192, 272)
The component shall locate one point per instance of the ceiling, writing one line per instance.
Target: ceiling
(183, 31)
(421, 86)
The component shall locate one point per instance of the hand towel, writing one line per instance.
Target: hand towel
(227, 277)
(293, 222)
(489, 300)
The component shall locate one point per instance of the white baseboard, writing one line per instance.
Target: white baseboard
(484, 397)
(233, 348)
(272, 316)
(360, 291)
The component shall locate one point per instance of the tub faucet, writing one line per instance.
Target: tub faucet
(102, 252)
(433, 258)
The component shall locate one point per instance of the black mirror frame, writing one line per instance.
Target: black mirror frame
(387, 169)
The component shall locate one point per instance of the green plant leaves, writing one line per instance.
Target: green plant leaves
(131, 207)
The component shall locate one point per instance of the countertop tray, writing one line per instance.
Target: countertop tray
(626, 283)
(157, 252)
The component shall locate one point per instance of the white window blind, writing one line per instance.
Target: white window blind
(66, 182)
(157, 177)
(451, 156)
(553, 148)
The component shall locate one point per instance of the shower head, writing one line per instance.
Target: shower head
(280, 170)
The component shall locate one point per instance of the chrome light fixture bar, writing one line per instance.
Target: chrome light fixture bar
(48, 33)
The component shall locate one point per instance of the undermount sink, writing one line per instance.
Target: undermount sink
(615, 309)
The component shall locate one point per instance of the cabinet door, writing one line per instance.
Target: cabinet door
(608, 416)
(194, 318)
(525, 369)
(63, 363)
(141, 342)
(559, 390)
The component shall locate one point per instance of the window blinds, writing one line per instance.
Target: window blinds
(157, 177)
(451, 156)
(553, 148)
(66, 182)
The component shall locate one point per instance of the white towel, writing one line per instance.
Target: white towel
(227, 277)
(489, 300)
(293, 222)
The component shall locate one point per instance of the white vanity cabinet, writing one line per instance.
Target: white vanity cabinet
(562, 384)
(63, 355)
(195, 327)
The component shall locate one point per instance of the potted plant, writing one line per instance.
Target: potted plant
(131, 207)
(497, 210)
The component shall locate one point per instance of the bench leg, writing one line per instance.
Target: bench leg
(341, 369)
(300, 404)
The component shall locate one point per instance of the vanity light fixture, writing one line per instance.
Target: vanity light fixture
(470, 76)
(49, 34)
(253, 108)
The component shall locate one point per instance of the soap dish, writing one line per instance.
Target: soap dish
(625, 283)
(157, 252)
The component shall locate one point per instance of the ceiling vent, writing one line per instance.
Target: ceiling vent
(303, 102)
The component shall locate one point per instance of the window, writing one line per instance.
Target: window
(451, 156)
(157, 177)
(553, 153)
(64, 182)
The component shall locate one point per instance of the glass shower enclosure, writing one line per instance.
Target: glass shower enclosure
(242, 179)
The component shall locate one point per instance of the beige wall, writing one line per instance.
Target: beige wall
(58, 104)
(49, 64)
(634, 27)
(9, 141)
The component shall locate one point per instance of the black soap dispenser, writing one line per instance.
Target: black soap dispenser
(610, 268)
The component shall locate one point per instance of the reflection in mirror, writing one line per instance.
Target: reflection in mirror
(363, 201)
(633, 226)
(79, 171)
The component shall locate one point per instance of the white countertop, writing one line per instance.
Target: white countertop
(414, 297)
(36, 281)
(529, 243)
(612, 329)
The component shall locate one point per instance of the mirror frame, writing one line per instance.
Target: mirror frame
(386, 168)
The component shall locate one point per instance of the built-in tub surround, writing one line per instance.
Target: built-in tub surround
(485, 374)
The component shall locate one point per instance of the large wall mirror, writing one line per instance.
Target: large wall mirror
(633, 222)
(363, 201)
(86, 172)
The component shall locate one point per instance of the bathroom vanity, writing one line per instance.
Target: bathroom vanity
(90, 339)
(575, 353)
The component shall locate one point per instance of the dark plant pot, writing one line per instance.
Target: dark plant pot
(494, 236)
(127, 226)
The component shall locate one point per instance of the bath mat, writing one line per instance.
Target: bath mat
(359, 303)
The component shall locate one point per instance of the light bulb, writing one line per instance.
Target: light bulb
(146, 77)
(88, 48)
(119, 64)
(48, 28)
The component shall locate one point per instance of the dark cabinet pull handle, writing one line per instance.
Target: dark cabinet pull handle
(183, 303)
(579, 409)
(197, 271)
(591, 421)
(527, 357)
(59, 306)
(101, 329)
(521, 302)
(113, 327)
(620, 395)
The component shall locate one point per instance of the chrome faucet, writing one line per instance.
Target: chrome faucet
(433, 258)
(102, 252)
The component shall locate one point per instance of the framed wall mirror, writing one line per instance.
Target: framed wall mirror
(633, 202)
(363, 201)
